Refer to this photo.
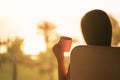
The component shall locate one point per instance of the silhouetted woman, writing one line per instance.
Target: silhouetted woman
(97, 30)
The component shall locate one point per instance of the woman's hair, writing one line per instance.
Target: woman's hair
(96, 28)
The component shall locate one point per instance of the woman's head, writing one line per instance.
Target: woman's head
(96, 28)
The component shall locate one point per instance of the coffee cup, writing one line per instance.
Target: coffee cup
(65, 43)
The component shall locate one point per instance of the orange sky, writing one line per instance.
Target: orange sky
(20, 17)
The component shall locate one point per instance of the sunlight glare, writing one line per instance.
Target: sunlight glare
(3, 49)
(33, 45)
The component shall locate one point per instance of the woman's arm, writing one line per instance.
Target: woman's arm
(61, 70)
(59, 53)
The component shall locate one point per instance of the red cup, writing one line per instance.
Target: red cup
(65, 42)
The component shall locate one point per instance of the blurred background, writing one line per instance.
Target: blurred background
(30, 28)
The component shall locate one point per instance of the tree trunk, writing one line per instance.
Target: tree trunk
(0, 65)
(14, 70)
(51, 71)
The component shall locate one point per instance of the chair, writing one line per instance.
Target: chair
(95, 63)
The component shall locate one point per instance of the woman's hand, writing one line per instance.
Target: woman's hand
(58, 52)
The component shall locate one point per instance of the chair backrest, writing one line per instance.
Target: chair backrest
(95, 63)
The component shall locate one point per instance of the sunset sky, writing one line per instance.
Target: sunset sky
(20, 17)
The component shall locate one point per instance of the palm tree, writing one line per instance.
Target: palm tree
(15, 53)
(2, 55)
(48, 30)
